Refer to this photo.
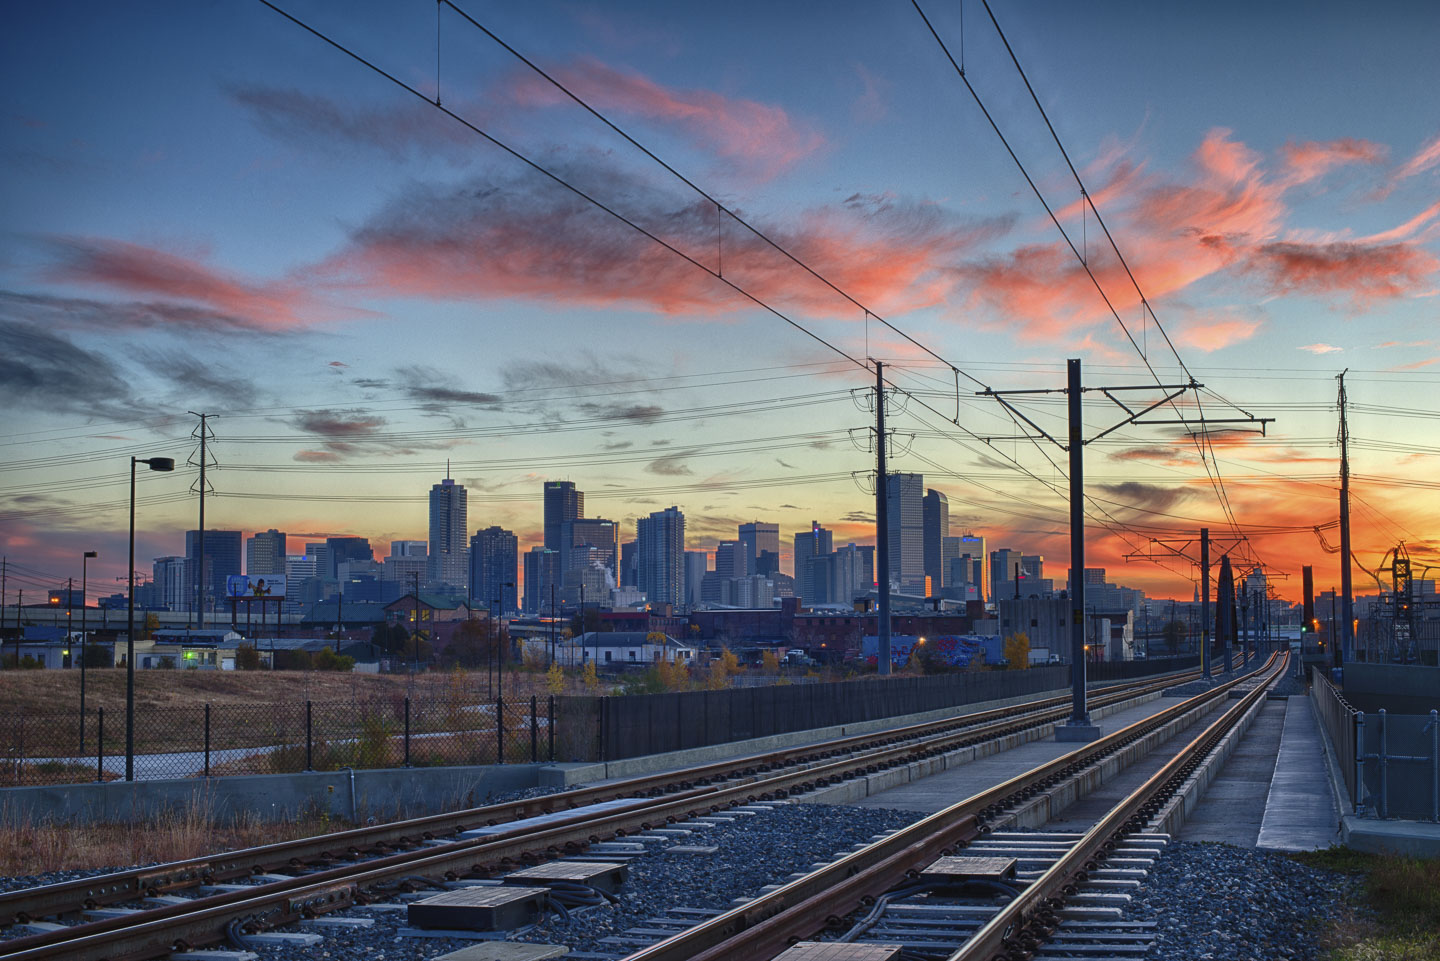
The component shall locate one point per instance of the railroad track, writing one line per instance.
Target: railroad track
(907, 865)
(339, 869)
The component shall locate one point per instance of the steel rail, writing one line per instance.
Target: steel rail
(762, 928)
(271, 904)
(67, 897)
(1026, 921)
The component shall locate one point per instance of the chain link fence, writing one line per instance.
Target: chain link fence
(283, 738)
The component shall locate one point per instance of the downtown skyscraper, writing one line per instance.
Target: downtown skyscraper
(905, 495)
(660, 560)
(494, 563)
(449, 553)
(562, 503)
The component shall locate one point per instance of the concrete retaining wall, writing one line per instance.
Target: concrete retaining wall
(379, 794)
(1177, 810)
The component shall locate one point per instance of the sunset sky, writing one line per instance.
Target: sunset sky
(205, 207)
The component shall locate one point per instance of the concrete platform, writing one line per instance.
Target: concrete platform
(1233, 806)
(1301, 812)
(946, 787)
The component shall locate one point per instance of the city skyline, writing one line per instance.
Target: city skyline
(358, 289)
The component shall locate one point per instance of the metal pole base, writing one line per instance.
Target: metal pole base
(1078, 733)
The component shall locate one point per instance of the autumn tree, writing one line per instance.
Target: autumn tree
(1017, 651)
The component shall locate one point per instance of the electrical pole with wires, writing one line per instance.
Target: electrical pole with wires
(202, 487)
(1344, 649)
(1079, 728)
(882, 528)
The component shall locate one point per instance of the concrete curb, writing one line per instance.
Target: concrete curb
(861, 787)
(1177, 810)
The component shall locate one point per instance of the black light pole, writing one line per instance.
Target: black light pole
(84, 583)
(160, 464)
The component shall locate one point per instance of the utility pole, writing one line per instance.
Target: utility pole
(415, 635)
(882, 528)
(4, 571)
(1205, 603)
(1343, 650)
(1079, 723)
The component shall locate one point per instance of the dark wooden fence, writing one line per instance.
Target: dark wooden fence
(611, 728)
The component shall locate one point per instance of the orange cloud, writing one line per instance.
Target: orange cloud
(529, 239)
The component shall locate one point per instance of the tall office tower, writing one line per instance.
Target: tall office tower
(1033, 565)
(758, 538)
(542, 572)
(494, 563)
(906, 515)
(768, 563)
(171, 584)
(731, 559)
(1005, 567)
(598, 533)
(222, 558)
(848, 578)
(936, 529)
(696, 567)
(408, 548)
(344, 550)
(974, 546)
(660, 556)
(406, 571)
(562, 503)
(816, 542)
(448, 558)
(628, 573)
(265, 553)
(302, 581)
(324, 560)
(1095, 575)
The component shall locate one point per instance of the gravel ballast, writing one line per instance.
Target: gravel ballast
(1214, 902)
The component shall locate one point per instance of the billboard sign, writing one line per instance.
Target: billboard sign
(252, 586)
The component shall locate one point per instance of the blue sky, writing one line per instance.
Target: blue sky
(205, 207)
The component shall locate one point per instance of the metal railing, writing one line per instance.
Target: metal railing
(1338, 719)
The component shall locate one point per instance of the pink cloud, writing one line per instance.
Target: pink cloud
(1426, 157)
(1366, 272)
(1312, 160)
(1213, 334)
(146, 271)
(762, 137)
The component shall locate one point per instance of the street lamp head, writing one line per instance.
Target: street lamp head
(92, 554)
(160, 463)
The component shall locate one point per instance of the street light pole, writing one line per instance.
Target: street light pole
(84, 593)
(158, 464)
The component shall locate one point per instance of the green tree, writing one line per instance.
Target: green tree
(326, 659)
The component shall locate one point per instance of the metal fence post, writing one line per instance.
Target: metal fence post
(207, 740)
(1359, 762)
(499, 728)
(550, 726)
(100, 745)
(534, 732)
(407, 731)
(1435, 765)
(309, 739)
(1384, 771)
